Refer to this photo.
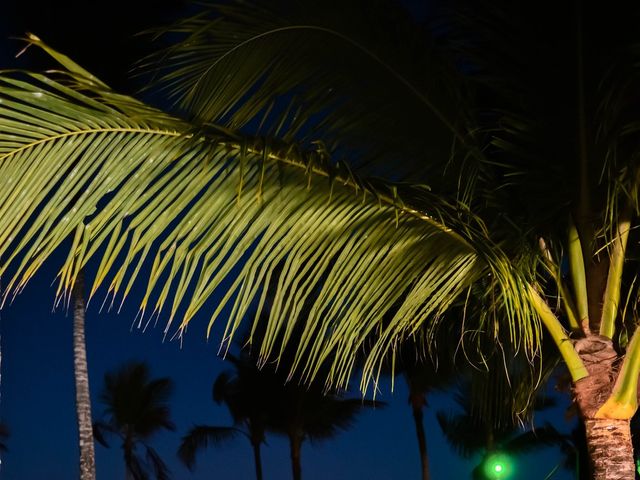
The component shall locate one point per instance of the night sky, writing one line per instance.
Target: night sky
(37, 397)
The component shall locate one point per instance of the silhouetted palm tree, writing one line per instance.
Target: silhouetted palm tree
(248, 396)
(309, 413)
(486, 424)
(135, 409)
(424, 372)
(263, 399)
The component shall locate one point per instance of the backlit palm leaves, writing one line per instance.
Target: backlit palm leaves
(204, 213)
(537, 136)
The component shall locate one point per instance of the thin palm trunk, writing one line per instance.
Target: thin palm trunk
(81, 373)
(417, 404)
(257, 459)
(127, 447)
(295, 442)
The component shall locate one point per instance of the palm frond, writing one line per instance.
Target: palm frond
(199, 438)
(221, 387)
(461, 433)
(541, 437)
(334, 414)
(135, 467)
(160, 469)
(223, 215)
(528, 93)
(357, 81)
(100, 429)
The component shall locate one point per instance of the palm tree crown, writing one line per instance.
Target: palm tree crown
(227, 192)
(135, 410)
(249, 397)
(519, 141)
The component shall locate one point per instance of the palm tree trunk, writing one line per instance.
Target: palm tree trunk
(608, 440)
(127, 447)
(295, 442)
(81, 372)
(257, 459)
(610, 449)
(417, 404)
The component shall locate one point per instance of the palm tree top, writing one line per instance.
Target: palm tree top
(206, 202)
(135, 403)
(136, 408)
(407, 247)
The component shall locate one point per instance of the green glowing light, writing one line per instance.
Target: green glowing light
(497, 466)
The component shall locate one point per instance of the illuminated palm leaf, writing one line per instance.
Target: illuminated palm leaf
(218, 214)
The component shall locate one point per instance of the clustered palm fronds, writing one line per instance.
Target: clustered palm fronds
(136, 408)
(506, 139)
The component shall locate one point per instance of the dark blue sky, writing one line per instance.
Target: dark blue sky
(37, 400)
(38, 404)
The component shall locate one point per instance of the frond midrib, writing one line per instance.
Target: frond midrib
(89, 131)
(347, 181)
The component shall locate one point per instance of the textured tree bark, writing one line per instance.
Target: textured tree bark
(417, 405)
(81, 372)
(601, 361)
(608, 440)
(610, 449)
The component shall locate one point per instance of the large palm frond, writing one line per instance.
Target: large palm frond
(217, 214)
(363, 81)
(545, 118)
